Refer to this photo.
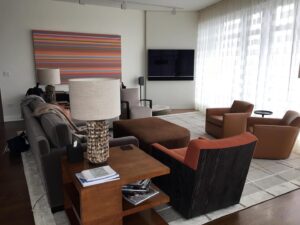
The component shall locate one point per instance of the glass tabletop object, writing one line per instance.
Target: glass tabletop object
(263, 112)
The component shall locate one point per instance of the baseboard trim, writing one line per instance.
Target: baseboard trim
(12, 118)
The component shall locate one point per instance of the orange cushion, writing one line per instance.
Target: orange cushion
(195, 146)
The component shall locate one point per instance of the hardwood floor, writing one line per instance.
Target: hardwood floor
(2, 130)
(15, 206)
(283, 210)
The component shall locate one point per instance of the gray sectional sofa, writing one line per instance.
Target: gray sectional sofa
(48, 136)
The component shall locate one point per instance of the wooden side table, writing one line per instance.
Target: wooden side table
(263, 113)
(103, 204)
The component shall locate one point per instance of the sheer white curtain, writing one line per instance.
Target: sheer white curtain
(249, 50)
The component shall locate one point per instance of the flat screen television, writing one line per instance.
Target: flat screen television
(168, 64)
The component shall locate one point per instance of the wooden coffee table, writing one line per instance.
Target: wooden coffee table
(103, 203)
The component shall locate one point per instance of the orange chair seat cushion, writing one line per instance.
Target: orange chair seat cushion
(217, 120)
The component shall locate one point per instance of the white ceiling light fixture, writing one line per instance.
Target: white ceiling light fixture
(124, 5)
(150, 5)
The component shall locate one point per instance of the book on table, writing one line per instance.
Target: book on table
(102, 172)
(138, 198)
(138, 192)
(97, 175)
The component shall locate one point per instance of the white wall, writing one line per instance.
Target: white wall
(167, 31)
(19, 17)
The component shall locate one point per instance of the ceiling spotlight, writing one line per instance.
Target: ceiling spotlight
(173, 12)
(124, 5)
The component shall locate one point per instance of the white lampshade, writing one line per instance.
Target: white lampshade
(48, 76)
(94, 98)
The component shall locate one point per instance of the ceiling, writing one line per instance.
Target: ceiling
(156, 5)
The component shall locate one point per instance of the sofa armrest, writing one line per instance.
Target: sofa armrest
(169, 152)
(51, 165)
(217, 111)
(128, 140)
(234, 124)
(124, 141)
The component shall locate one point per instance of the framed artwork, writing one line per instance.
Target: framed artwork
(78, 55)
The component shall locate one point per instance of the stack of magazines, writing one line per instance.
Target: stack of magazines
(97, 176)
(138, 192)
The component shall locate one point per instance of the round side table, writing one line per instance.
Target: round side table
(263, 113)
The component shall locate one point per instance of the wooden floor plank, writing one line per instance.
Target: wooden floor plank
(15, 207)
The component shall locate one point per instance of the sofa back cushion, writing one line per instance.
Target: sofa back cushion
(241, 107)
(35, 134)
(56, 130)
(289, 117)
(195, 146)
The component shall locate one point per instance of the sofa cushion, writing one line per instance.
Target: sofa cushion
(241, 106)
(56, 130)
(217, 120)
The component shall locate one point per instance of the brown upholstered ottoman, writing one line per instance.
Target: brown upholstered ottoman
(153, 130)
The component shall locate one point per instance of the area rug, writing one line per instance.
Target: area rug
(266, 179)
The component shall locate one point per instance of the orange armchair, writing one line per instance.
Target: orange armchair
(276, 137)
(207, 175)
(226, 122)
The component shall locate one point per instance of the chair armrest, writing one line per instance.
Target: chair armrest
(251, 121)
(217, 111)
(275, 140)
(277, 132)
(168, 152)
(126, 103)
(147, 100)
(203, 138)
(124, 141)
(234, 124)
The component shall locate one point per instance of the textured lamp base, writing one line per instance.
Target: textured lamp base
(98, 141)
(50, 94)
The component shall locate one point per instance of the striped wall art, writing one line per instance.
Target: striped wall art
(78, 55)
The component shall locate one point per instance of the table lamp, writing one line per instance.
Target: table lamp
(48, 77)
(95, 100)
